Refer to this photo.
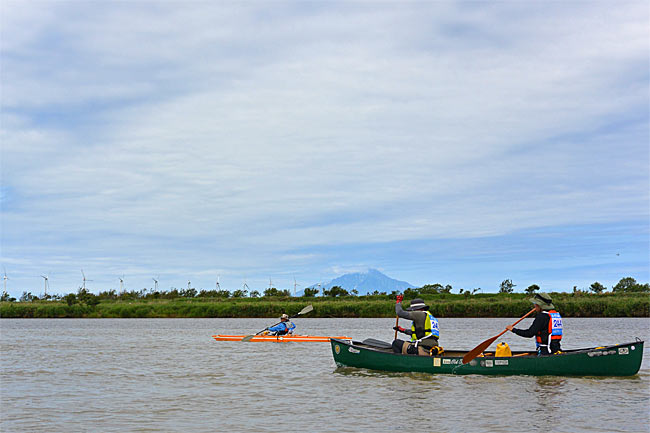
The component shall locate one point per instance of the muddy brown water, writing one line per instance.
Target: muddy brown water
(144, 375)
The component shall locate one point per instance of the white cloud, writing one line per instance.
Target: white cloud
(346, 124)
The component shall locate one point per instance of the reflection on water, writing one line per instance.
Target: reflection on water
(362, 372)
(549, 383)
(170, 375)
(548, 392)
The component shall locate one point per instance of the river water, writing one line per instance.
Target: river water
(144, 375)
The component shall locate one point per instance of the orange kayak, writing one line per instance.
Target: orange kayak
(279, 338)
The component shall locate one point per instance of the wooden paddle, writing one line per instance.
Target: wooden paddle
(305, 310)
(398, 300)
(396, 325)
(484, 345)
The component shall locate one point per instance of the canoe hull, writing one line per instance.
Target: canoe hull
(619, 360)
(279, 338)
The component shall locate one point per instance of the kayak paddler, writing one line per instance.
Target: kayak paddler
(286, 326)
(424, 331)
(546, 328)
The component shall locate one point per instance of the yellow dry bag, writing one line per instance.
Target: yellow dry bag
(503, 349)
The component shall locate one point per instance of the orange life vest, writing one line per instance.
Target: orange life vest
(554, 331)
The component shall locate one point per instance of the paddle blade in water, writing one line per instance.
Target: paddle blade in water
(478, 349)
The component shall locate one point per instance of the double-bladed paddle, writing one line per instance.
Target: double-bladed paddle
(305, 310)
(484, 345)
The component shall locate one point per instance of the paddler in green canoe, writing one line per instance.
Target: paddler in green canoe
(546, 328)
(424, 331)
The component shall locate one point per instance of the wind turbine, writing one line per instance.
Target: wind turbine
(155, 283)
(5, 280)
(122, 284)
(294, 286)
(270, 283)
(84, 280)
(218, 285)
(45, 282)
(188, 284)
(245, 286)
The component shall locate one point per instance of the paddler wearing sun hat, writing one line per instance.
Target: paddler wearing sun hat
(424, 331)
(286, 326)
(546, 328)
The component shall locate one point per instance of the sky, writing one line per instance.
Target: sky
(459, 143)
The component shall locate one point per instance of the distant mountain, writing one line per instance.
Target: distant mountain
(364, 282)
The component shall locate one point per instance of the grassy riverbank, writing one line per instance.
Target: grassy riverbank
(442, 305)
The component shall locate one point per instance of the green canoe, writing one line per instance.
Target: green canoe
(618, 360)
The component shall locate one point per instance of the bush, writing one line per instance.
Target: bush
(335, 291)
(310, 293)
(629, 284)
(506, 286)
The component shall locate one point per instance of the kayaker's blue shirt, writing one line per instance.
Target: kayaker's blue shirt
(283, 328)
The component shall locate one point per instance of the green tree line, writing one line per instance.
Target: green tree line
(625, 285)
(443, 303)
